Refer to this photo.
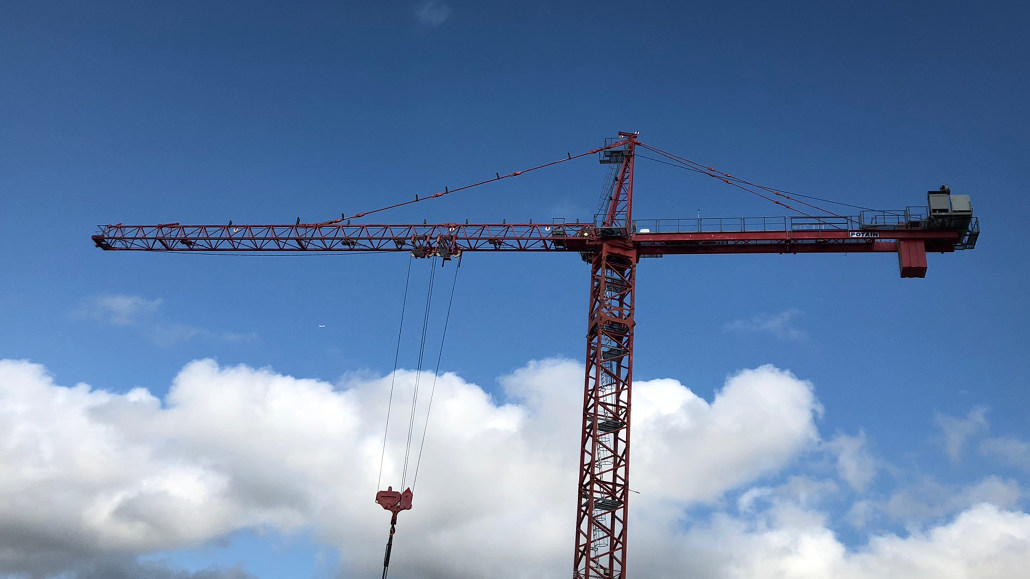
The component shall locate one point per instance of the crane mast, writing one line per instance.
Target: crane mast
(613, 245)
(607, 394)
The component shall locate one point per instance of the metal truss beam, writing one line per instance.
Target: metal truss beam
(604, 455)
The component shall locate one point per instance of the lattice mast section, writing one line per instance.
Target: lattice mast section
(604, 456)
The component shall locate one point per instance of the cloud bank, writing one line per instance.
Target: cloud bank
(92, 477)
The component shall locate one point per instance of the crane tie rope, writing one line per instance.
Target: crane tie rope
(744, 185)
(678, 161)
(784, 191)
(448, 191)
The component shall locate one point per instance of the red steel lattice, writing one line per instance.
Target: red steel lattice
(612, 246)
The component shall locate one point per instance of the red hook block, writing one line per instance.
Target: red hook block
(394, 501)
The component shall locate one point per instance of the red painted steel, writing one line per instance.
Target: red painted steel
(394, 501)
(912, 257)
(620, 206)
(613, 247)
(451, 239)
(603, 483)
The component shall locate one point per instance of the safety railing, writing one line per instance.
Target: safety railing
(909, 218)
(913, 217)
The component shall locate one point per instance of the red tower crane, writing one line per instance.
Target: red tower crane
(612, 244)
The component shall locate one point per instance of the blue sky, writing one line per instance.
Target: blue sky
(262, 112)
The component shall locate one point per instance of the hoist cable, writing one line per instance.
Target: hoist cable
(393, 375)
(436, 374)
(389, 546)
(418, 374)
(414, 400)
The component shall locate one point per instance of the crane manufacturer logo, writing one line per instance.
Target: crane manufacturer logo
(864, 233)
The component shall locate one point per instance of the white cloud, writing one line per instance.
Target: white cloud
(432, 13)
(928, 500)
(782, 325)
(92, 478)
(119, 310)
(982, 542)
(854, 463)
(1008, 450)
(142, 314)
(758, 422)
(89, 473)
(862, 513)
(797, 490)
(957, 431)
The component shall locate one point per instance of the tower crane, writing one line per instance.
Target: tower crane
(612, 244)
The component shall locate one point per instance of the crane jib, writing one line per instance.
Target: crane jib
(651, 237)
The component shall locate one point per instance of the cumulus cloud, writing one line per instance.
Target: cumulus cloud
(758, 421)
(982, 542)
(432, 14)
(782, 325)
(143, 315)
(92, 479)
(95, 473)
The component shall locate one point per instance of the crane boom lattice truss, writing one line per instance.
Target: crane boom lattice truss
(612, 244)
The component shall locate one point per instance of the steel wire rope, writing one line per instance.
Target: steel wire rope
(740, 184)
(393, 375)
(731, 179)
(685, 168)
(724, 175)
(436, 374)
(418, 374)
(448, 191)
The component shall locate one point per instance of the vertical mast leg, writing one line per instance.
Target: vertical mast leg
(604, 455)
